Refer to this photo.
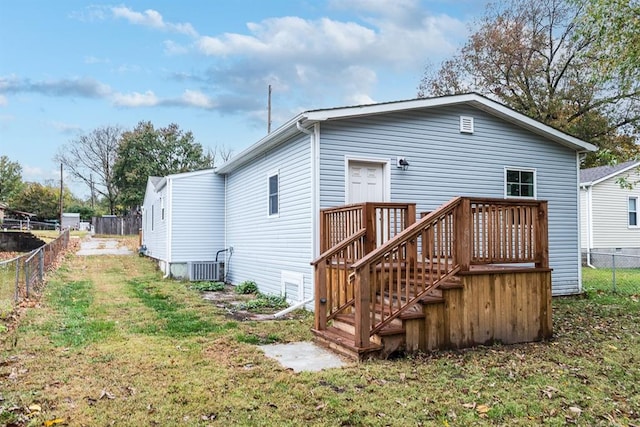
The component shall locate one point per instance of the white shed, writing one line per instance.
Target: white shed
(71, 220)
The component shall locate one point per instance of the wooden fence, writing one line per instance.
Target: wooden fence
(121, 226)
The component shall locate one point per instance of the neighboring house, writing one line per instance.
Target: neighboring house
(426, 151)
(610, 214)
(3, 207)
(183, 220)
(70, 220)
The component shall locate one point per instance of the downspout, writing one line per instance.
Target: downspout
(292, 308)
(315, 200)
(589, 225)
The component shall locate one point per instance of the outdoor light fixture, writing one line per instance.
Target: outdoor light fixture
(403, 163)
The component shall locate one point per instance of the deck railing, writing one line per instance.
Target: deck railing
(378, 271)
(347, 234)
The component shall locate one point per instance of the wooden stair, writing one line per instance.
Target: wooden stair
(340, 336)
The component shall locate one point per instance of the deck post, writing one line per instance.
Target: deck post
(363, 306)
(463, 234)
(323, 232)
(542, 237)
(409, 220)
(369, 219)
(321, 296)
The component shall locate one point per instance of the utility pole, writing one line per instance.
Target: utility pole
(269, 111)
(61, 190)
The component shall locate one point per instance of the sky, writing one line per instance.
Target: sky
(68, 67)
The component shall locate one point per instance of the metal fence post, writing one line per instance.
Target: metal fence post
(17, 295)
(613, 271)
(41, 264)
(26, 277)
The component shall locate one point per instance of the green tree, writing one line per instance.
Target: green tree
(614, 26)
(90, 159)
(42, 200)
(10, 179)
(534, 57)
(147, 151)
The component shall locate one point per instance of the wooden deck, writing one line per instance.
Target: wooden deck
(475, 271)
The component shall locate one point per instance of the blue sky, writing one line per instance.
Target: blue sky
(68, 67)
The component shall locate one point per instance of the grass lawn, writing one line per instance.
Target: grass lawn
(113, 344)
(601, 280)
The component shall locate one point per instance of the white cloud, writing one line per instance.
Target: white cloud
(196, 99)
(153, 19)
(135, 99)
(6, 118)
(173, 48)
(65, 128)
(291, 37)
(3, 101)
(94, 60)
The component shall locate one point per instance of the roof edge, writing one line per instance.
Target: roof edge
(611, 175)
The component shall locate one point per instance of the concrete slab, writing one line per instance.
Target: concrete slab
(93, 246)
(303, 356)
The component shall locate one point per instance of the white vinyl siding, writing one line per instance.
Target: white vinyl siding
(610, 214)
(184, 219)
(265, 246)
(446, 163)
(154, 230)
(197, 216)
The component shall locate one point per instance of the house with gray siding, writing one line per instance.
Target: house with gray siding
(183, 221)
(610, 214)
(423, 151)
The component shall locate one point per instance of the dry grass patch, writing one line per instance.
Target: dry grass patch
(144, 370)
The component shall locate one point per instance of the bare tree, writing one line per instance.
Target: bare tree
(90, 159)
(533, 56)
(219, 155)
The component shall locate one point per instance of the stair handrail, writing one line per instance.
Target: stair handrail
(366, 324)
(339, 247)
(324, 305)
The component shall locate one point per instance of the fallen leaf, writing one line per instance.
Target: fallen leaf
(469, 405)
(482, 409)
(575, 410)
(35, 408)
(104, 393)
(320, 406)
(49, 423)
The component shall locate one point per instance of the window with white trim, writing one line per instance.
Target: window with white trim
(274, 194)
(633, 211)
(520, 182)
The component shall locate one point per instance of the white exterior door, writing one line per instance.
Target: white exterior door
(366, 182)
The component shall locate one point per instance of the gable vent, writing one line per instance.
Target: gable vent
(466, 124)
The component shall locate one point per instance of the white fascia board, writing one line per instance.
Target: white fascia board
(190, 174)
(604, 178)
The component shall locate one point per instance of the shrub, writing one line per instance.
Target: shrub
(265, 301)
(247, 287)
(208, 286)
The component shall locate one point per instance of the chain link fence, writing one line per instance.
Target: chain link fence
(23, 276)
(613, 272)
